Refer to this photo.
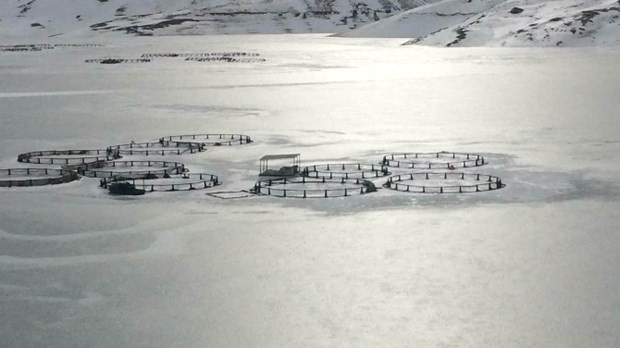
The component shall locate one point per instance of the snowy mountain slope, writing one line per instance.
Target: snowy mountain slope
(504, 23)
(424, 20)
(539, 23)
(43, 18)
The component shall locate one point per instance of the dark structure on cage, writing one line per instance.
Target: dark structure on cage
(293, 159)
(184, 182)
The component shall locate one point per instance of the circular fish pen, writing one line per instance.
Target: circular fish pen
(226, 59)
(131, 169)
(198, 54)
(184, 182)
(81, 45)
(443, 183)
(158, 148)
(433, 160)
(20, 177)
(112, 60)
(313, 188)
(346, 171)
(26, 47)
(67, 157)
(210, 139)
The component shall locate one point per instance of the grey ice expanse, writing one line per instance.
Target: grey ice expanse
(533, 265)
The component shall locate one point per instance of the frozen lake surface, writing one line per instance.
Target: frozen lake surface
(533, 264)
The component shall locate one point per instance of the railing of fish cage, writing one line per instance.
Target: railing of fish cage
(345, 170)
(161, 148)
(210, 139)
(188, 182)
(198, 54)
(277, 188)
(67, 157)
(159, 168)
(433, 160)
(227, 59)
(78, 45)
(111, 60)
(26, 47)
(56, 176)
(471, 183)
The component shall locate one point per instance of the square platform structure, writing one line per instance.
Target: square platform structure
(293, 159)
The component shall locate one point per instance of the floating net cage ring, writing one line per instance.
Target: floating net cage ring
(67, 157)
(443, 183)
(434, 160)
(345, 170)
(211, 139)
(112, 60)
(338, 187)
(115, 169)
(187, 182)
(199, 54)
(227, 59)
(19, 177)
(161, 148)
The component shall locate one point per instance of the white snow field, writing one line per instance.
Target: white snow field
(534, 264)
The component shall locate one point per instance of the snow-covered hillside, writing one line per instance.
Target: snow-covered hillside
(425, 22)
(504, 23)
(43, 18)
